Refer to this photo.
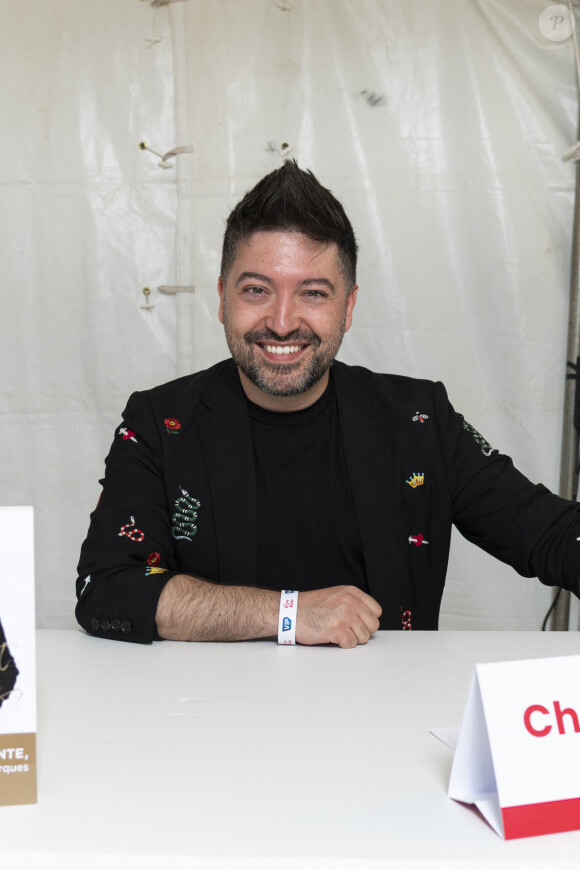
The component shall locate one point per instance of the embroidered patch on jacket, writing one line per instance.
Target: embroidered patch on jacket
(127, 434)
(172, 425)
(129, 530)
(416, 479)
(406, 620)
(183, 525)
(153, 561)
(484, 446)
(420, 418)
(417, 539)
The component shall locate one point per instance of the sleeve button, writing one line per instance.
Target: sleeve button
(94, 624)
(105, 625)
(126, 627)
(116, 624)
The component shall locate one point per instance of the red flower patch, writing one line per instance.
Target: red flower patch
(154, 559)
(172, 425)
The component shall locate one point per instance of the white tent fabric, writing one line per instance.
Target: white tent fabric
(440, 124)
(86, 221)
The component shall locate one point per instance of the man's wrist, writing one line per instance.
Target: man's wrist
(287, 617)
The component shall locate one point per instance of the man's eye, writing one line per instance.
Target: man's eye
(315, 294)
(254, 291)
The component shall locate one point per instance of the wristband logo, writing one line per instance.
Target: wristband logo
(289, 603)
(286, 623)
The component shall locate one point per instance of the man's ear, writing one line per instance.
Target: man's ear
(350, 303)
(221, 290)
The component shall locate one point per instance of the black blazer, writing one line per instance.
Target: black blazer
(179, 497)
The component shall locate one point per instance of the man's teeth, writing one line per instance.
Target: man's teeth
(287, 348)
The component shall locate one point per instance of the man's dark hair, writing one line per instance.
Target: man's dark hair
(293, 200)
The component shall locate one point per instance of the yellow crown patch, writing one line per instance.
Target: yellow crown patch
(416, 480)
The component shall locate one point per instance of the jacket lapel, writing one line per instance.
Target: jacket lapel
(366, 441)
(225, 435)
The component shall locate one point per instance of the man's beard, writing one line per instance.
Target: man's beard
(282, 379)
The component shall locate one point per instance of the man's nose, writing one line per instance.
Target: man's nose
(283, 316)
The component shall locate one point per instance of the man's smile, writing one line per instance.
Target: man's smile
(281, 353)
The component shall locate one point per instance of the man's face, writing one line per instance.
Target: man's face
(285, 309)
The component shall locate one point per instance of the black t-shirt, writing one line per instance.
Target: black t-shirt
(308, 535)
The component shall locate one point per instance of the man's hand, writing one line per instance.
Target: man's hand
(343, 615)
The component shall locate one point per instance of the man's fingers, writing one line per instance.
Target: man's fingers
(367, 600)
(370, 620)
(360, 631)
(344, 615)
(357, 633)
(348, 640)
(362, 613)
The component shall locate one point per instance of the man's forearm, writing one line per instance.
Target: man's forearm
(193, 609)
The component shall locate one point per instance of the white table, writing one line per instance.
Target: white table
(261, 757)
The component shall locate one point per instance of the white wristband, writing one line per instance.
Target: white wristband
(287, 617)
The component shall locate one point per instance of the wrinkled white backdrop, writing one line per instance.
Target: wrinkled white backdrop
(440, 124)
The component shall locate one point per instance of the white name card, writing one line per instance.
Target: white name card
(518, 752)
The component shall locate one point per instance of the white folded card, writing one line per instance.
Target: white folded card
(517, 757)
(17, 658)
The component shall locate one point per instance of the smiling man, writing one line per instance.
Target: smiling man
(283, 493)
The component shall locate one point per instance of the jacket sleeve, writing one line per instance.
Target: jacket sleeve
(504, 513)
(128, 554)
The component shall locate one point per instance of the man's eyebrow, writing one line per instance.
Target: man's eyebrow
(313, 282)
(253, 276)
